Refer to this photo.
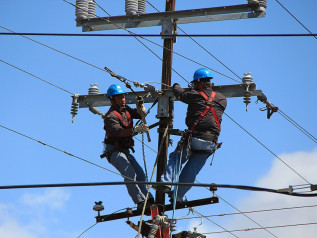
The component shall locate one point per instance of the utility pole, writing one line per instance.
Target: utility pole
(166, 80)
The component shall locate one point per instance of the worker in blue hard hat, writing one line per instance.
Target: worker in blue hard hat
(118, 124)
(203, 118)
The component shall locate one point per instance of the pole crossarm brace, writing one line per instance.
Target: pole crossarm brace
(251, 10)
(169, 207)
(100, 100)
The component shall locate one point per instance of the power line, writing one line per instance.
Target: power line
(314, 35)
(212, 55)
(225, 230)
(77, 157)
(132, 33)
(267, 148)
(241, 187)
(37, 77)
(255, 211)
(268, 227)
(310, 136)
(153, 35)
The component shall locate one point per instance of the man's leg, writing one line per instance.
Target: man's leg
(120, 161)
(140, 176)
(190, 171)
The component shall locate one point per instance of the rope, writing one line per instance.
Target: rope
(148, 192)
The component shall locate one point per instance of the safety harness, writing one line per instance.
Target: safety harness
(209, 106)
(126, 143)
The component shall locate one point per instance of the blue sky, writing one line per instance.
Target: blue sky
(283, 68)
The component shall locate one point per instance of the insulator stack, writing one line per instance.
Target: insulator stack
(74, 107)
(82, 9)
(74, 110)
(98, 207)
(92, 9)
(131, 7)
(247, 99)
(247, 80)
(149, 88)
(141, 7)
(93, 90)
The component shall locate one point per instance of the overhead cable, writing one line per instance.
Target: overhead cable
(268, 227)
(212, 55)
(266, 148)
(310, 136)
(225, 230)
(132, 33)
(314, 35)
(228, 186)
(37, 77)
(248, 212)
(239, 211)
(153, 35)
(77, 157)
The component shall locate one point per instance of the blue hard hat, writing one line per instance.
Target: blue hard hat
(202, 74)
(114, 89)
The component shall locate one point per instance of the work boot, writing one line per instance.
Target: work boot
(162, 188)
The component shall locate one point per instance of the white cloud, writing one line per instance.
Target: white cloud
(55, 198)
(279, 176)
(31, 215)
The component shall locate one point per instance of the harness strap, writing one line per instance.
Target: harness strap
(207, 108)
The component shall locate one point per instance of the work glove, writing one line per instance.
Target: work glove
(142, 128)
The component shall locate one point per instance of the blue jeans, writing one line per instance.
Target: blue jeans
(195, 162)
(128, 167)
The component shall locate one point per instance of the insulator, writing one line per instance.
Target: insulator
(98, 206)
(81, 9)
(263, 3)
(93, 90)
(247, 99)
(74, 110)
(92, 9)
(138, 84)
(141, 7)
(149, 88)
(131, 7)
(247, 79)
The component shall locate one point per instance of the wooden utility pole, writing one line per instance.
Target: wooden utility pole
(166, 80)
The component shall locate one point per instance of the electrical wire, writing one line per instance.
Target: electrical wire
(65, 152)
(241, 187)
(154, 35)
(132, 33)
(37, 77)
(225, 230)
(310, 136)
(266, 147)
(314, 35)
(153, 171)
(249, 212)
(212, 55)
(87, 230)
(240, 212)
(268, 227)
